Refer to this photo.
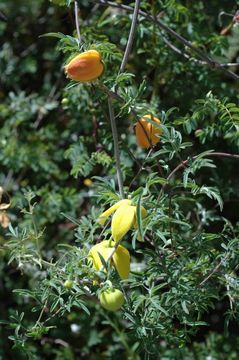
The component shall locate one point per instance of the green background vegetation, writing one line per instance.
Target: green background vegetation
(54, 135)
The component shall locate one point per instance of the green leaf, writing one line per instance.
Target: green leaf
(184, 306)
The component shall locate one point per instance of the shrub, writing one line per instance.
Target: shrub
(70, 161)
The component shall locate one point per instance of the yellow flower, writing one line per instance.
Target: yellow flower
(120, 259)
(122, 221)
(124, 218)
(112, 209)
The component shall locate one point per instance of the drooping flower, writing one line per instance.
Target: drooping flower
(122, 221)
(120, 260)
(112, 209)
(147, 134)
(84, 67)
(124, 218)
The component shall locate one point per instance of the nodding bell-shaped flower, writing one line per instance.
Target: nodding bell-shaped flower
(120, 260)
(124, 218)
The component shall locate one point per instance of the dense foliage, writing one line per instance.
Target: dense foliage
(59, 174)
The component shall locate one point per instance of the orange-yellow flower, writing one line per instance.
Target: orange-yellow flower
(84, 67)
(147, 134)
(120, 259)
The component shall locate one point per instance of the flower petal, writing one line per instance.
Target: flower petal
(112, 209)
(122, 221)
(104, 250)
(121, 259)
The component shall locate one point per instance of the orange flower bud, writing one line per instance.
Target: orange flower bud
(147, 133)
(88, 182)
(84, 67)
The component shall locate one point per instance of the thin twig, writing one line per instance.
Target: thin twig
(41, 313)
(107, 261)
(170, 223)
(116, 147)
(112, 252)
(126, 147)
(111, 110)
(203, 56)
(231, 300)
(53, 95)
(223, 13)
(229, 64)
(77, 22)
(188, 57)
(141, 168)
(212, 272)
(185, 162)
(115, 95)
(131, 36)
(103, 230)
(54, 341)
(217, 154)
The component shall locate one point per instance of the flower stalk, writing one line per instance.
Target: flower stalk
(131, 36)
(116, 147)
(76, 8)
